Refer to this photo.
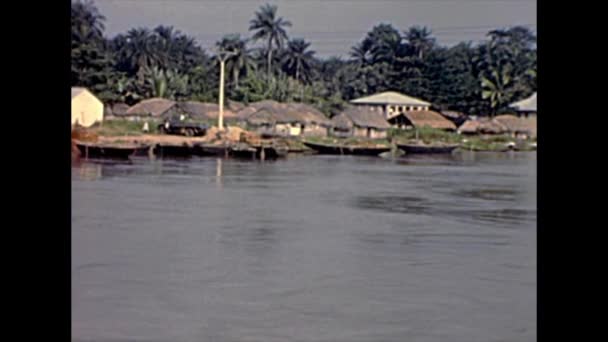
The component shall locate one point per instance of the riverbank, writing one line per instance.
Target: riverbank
(123, 133)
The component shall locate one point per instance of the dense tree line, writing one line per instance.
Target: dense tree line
(163, 62)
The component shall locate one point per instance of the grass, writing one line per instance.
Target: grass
(119, 127)
(346, 141)
(426, 134)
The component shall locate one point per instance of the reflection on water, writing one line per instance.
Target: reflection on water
(90, 171)
(319, 248)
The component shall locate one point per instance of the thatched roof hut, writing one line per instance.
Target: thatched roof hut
(511, 122)
(118, 109)
(457, 118)
(155, 107)
(205, 110)
(422, 118)
(516, 125)
(308, 114)
(360, 122)
(482, 126)
(360, 117)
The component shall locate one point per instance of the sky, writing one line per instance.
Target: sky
(332, 26)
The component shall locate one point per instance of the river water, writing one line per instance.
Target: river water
(311, 248)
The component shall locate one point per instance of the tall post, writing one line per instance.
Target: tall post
(220, 123)
(222, 56)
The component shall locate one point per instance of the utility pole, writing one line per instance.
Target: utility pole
(222, 56)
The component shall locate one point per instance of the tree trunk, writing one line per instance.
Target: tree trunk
(235, 74)
(302, 84)
(269, 58)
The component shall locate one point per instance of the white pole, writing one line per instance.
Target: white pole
(220, 123)
(227, 54)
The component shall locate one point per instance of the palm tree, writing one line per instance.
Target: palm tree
(87, 22)
(360, 54)
(269, 28)
(241, 61)
(419, 40)
(298, 60)
(497, 87)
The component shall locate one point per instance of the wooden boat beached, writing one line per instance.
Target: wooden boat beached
(421, 148)
(346, 149)
(96, 150)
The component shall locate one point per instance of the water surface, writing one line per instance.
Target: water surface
(312, 248)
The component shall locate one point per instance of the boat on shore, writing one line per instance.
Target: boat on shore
(347, 149)
(96, 150)
(422, 148)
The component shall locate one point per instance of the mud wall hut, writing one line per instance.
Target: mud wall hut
(360, 122)
(419, 119)
(154, 108)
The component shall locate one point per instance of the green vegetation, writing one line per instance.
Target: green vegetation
(480, 78)
(426, 134)
(347, 141)
(118, 127)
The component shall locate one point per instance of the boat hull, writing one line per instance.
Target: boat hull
(421, 149)
(102, 151)
(346, 150)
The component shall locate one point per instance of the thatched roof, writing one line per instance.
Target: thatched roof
(154, 106)
(205, 110)
(482, 126)
(421, 118)
(525, 105)
(270, 112)
(234, 106)
(360, 117)
(517, 125)
(309, 114)
(390, 97)
(119, 109)
(513, 123)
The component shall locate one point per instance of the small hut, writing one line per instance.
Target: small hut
(419, 119)
(482, 126)
(315, 123)
(520, 127)
(360, 122)
(154, 107)
(204, 110)
(87, 109)
(276, 119)
(457, 118)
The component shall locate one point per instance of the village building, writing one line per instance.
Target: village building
(87, 109)
(457, 118)
(315, 123)
(288, 120)
(482, 126)
(203, 110)
(391, 103)
(116, 110)
(518, 127)
(419, 119)
(360, 122)
(154, 107)
(275, 121)
(525, 107)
